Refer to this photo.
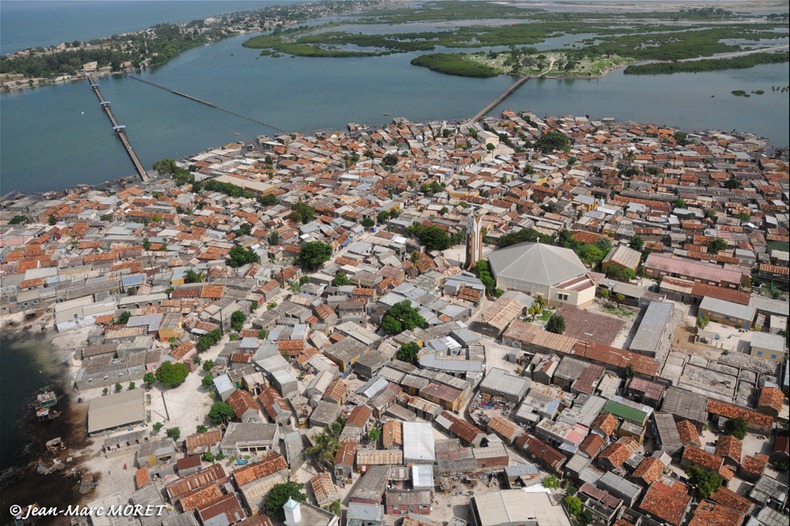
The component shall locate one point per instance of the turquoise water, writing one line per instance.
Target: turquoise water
(57, 137)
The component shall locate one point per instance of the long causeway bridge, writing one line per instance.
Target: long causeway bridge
(505, 94)
(120, 130)
(208, 103)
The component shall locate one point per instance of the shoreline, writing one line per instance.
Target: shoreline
(22, 481)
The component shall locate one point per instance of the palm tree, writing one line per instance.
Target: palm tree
(323, 449)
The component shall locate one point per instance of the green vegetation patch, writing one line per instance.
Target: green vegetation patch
(696, 66)
(455, 64)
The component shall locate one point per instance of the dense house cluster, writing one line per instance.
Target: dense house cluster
(630, 234)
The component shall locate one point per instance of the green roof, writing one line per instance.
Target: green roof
(623, 411)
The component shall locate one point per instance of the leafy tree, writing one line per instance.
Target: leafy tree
(334, 507)
(553, 140)
(629, 371)
(604, 245)
(716, 244)
(382, 217)
(245, 229)
(207, 382)
(17, 219)
(254, 305)
(149, 379)
(389, 160)
(158, 426)
(313, 254)
(323, 450)
(573, 505)
(374, 434)
(301, 212)
(619, 298)
(165, 166)
(268, 200)
(408, 352)
(221, 413)
(146, 244)
(391, 326)
(208, 340)
(237, 320)
(341, 279)
(123, 318)
(522, 236)
(173, 432)
(556, 324)
(433, 237)
(208, 456)
(132, 386)
(779, 462)
(732, 183)
(680, 137)
(172, 374)
(190, 276)
(401, 317)
(443, 211)
(679, 203)
(703, 481)
(263, 334)
(279, 495)
(274, 238)
(737, 427)
(367, 222)
(551, 482)
(603, 293)
(207, 365)
(201, 429)
(637, 243)
(118, 388)
(240, 256)
(702, 321)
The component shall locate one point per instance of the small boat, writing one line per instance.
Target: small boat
(386, 114)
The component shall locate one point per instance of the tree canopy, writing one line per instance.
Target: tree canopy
(313, 254)
(221, 413)
(703, 481)
(237, 320)
(401, 317)
(279, 495)
(553, 140)
(172, 374)
(301, 212)
(737, 427)
(408, 352)
(433, 237)
(240, 256)
(341, 279)
(556, 324)
(637, 243)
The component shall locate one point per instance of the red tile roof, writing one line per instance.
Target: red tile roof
(771, 397)
(649, 470)
(729, 447)
(269, 464)
(616, 454)
(754, 464)
(709, 513)
(688, 433)
(719, 408)
(732, 500)
(667, 502)
(702, 458)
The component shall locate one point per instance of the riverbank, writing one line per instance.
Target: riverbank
(32, 359)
